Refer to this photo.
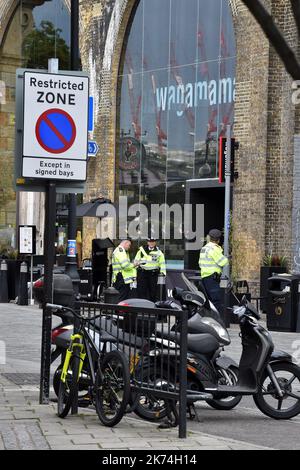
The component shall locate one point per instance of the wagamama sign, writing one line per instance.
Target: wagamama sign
(192, 95)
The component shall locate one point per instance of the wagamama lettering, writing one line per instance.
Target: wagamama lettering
(191, 95)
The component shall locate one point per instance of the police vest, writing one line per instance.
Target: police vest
(211, 260)
(121, 264)
(154, 259)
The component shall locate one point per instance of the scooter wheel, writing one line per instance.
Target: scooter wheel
(227, 403)
(268, 401)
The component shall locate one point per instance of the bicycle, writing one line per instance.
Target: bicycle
(106, 373)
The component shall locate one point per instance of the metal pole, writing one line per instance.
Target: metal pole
(227, 196)
(226, 271)
(49, 253)
(183, 375)
(31, 280)
(71, 265)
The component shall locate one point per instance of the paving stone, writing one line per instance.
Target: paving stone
(24, 415)
(59, 440)
(6, 415)
(23, 437)
(114, 445)
(77, 447)
(83, 439)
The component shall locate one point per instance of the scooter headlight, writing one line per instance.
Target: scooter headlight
(222, 332)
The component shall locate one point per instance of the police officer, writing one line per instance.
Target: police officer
(211, 263)
(123, 271)
(150, 262)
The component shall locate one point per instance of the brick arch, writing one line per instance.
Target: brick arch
(7, 10)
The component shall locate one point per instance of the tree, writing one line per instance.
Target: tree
(275, 36)
(44, 43)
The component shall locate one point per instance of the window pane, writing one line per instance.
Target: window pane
(129, 146)
(156, 34)
(154, 126)
(207, 120)
(132, 62)
(184, 19)
(174, 247)
(209, 30)
(181, 129)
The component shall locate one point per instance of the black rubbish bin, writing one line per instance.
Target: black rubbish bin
(283, 303)
(63, 293)
(86, 284)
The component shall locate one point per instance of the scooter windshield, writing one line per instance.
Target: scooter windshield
(192, 286)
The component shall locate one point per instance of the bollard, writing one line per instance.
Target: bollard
(111, 295)
(161, 284)
(3, 282)
(23, 287)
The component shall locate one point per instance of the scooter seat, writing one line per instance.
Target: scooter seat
(202, 343)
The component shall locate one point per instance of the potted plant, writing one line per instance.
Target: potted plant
(13, 260)
(61, 256)
(271, 264)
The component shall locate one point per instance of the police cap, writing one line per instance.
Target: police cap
(215, 234)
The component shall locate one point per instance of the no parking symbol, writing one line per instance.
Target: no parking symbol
(55, 131)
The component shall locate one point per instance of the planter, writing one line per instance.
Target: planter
(61, 260)
(13, 277)
(265, 273)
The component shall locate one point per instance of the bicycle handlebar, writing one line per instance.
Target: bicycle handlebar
(61, 307)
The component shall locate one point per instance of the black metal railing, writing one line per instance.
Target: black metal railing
(155, 343)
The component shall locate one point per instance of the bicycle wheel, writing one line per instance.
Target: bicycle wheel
(68, 388)
(112, 388)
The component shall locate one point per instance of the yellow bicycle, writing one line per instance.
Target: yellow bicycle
(89, 364)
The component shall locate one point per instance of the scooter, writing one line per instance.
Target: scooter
(269, 376)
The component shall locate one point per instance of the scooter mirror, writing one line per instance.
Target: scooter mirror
(177, 293)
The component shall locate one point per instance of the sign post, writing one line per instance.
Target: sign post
(51, 152)
(55, 126)
(225, 278)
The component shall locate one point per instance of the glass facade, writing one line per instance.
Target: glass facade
(176, 96)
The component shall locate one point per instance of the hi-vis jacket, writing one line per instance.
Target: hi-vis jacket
(211, 259)
(155, 259)
(121, 264)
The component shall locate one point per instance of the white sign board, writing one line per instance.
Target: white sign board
(55, 132)
(27, 239)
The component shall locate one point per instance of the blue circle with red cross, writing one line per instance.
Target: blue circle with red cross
(55, 131)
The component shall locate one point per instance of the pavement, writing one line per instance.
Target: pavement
(24, 424)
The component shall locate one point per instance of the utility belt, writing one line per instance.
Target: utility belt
(154, 270)
(216, 276)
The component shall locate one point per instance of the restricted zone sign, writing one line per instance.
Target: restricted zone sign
(55, 131)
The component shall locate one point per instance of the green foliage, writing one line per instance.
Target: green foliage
(61, 250)
(275, 260)
(8, 252)
(41, 44)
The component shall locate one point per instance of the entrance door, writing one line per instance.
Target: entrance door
(211, 194)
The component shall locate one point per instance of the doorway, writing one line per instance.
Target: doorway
(211, 194)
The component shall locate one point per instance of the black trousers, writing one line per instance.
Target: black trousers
(214, 292)
(147, 284)
(123, 288)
